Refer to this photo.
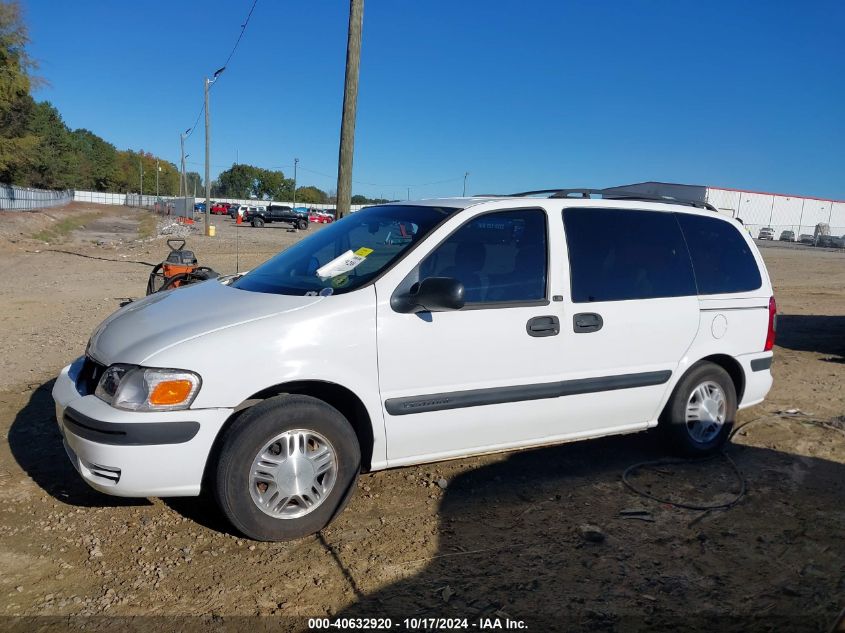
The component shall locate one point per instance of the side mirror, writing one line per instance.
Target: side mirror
(434, 294)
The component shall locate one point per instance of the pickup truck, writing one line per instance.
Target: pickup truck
(277, 213)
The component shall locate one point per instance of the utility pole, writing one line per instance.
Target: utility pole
(208, 82)
(158, 169)
(183, 181)
(350, 104)
(466, 174)
(295, 163)
(409, 193)
(141, 163)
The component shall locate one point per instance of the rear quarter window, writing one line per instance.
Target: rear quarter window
(721, 258)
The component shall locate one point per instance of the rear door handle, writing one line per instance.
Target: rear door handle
(587, 322)
(543, 326)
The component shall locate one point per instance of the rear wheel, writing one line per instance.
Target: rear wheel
(257, 223)
(287, 467)
(700, 413)
(303, 225)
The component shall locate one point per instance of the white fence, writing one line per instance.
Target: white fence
(134, 200)
(100, 197)
(13, 198)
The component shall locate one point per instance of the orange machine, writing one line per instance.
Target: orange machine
(178, 269)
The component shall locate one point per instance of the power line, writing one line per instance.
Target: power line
(243, 28)
(357, 182)
(228, 59)
(378, 184)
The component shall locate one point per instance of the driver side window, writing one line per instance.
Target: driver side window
(499, 257)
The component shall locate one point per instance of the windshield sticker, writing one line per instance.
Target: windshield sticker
(343, 264)
(340, 281)
(363, 251)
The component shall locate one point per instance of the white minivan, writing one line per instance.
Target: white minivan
(499, 323)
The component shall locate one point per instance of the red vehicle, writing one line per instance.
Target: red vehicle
(220, 208)
(320, 218)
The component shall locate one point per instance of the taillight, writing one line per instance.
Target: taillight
(773, 320)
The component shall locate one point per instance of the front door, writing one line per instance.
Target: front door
(474, 379)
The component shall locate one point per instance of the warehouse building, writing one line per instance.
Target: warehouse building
(757, 209)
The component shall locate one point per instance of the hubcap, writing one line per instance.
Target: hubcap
(706, 412)
(293, 474)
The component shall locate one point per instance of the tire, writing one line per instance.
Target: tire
(257, 223)
(302, 225)
(302, 422)
(701, 390)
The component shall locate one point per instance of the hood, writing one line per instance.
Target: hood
(162, 320)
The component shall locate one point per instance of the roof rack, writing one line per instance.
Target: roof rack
(613, 194)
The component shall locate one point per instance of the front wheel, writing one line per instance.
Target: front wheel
(303, 225)
(287, 467)
(257, 223)
(698, 418)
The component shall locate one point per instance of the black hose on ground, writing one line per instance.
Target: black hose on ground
(743, 487)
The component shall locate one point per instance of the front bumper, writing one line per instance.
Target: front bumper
(131, 454)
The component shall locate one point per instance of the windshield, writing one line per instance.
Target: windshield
(346, 254)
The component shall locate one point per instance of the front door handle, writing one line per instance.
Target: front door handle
(587, 322)
(543, 326)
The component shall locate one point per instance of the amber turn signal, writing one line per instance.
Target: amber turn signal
(170, 392)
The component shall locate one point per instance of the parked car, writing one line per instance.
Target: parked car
(301, 211)
(376, 354)
(248, 211)
(787, 236)
(830, 241)
(766, 233)
(806, 238)
(236, 210)
(220, 208)
(277, 213)
(199, 207)
(320, 218)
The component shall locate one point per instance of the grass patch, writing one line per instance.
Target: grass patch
(147, 226)
(62, 228)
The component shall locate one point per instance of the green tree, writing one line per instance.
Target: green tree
(194, 181)
(55, 162)
(272, 185)
(17, 142)
(97, 162)
(311, 195)
(248, 181)
(359, 199)
(239, 181)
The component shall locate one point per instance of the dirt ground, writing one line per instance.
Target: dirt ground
(490, 537)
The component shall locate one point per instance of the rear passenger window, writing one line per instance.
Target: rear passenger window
(722, 259)
(617, 254)
(499, 257)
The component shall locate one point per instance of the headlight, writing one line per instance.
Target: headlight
(144, 389)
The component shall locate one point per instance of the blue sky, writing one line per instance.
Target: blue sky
(520, 94)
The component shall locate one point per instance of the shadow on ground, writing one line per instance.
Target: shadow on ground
(36, 444)
(513, 545)
(812, 333)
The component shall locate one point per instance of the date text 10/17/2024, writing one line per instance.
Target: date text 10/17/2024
(422, 624)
